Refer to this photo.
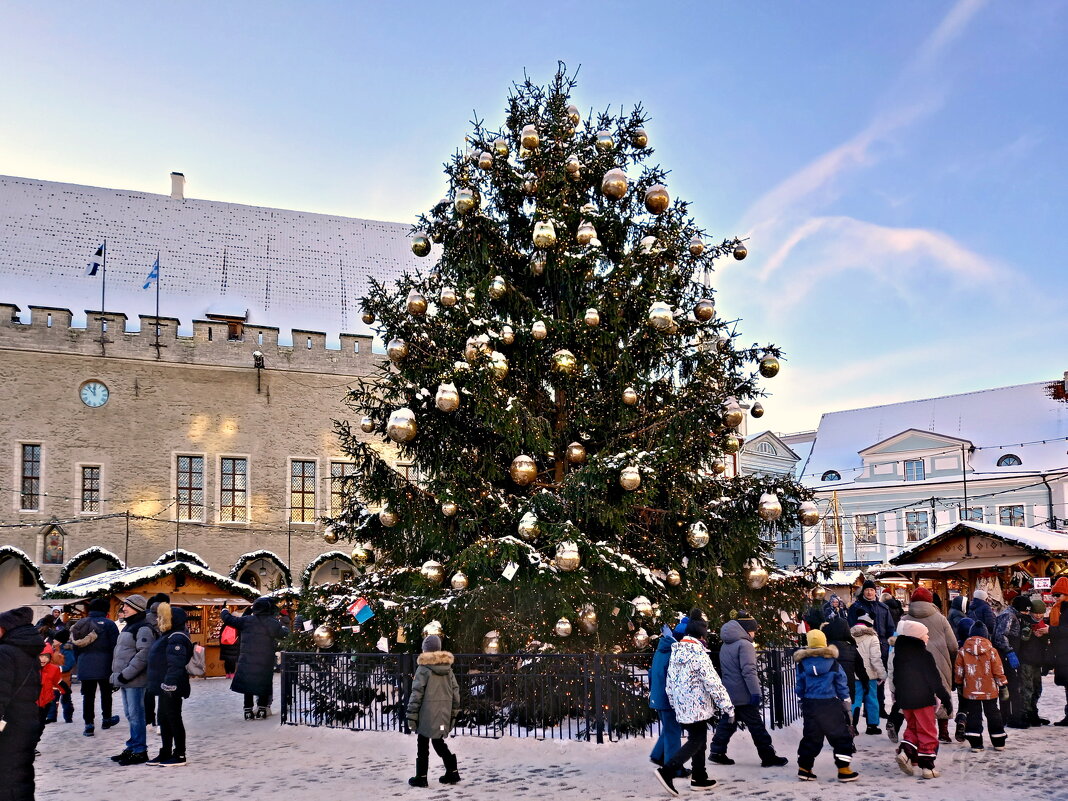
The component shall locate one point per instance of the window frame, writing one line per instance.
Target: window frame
(871, 537)
(1002, 461)
(828, 473)
(176, 476)
(966, 514)
(219, 489)
(926, 525)
(20, 471)
(827, 534)
(922, 468)
(81, 467)
(335, 484)
(314, 491)
(1008, 506)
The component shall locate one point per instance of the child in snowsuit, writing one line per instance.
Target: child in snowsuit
(432, 709)
(871, 656)
(50, 689)
(980, 675)
(916, 686)
(822, 686)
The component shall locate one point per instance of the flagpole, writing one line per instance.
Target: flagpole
(103, 288)
(159, 269)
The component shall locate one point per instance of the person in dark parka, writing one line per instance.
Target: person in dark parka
(838, 635)
(980, 611)
(169, 680)
(94, 639)
(894, 605)
(260, 633)
(432, 708)
(20, 685)
(670, 739)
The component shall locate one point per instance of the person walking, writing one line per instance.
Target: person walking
(20, 687)
(1007, 641)
(915, 685)
(942, 644)
(738, 671)
(432, 708)
(694, 690)
(1034, 654)
(822, 686)
(66, 651)
(169, 681)
(1058, 629)
(129, 672)
(979, 609)
(94, 639)
(875, 674)
(867, 602)
(979, 673)
(254, 677)
(894, 605)
(670, 739)
(50, 676)
(837, 633)
(229, 649)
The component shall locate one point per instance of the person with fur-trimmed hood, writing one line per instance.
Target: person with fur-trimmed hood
(823, 688)
(432, 708)
(980, 675)
(915, 685)
(20, 687)
(871, 657)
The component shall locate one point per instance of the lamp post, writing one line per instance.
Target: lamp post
(257, 362)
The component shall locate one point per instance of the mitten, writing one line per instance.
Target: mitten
(123, 679)
(1013, 660)
(413, 723)
(1004, 692)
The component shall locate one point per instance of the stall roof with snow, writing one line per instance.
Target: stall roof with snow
(186, 583)
(975, 546)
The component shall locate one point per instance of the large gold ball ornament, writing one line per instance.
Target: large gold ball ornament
(639, 138)
(587, 619)
(809, 513)
(605, 142)
(731, 444)
(732, 415)
(528, 137)
(769, 508)
(567, 556)
(757, 410)
(464, 200)
(740, 252)
(718, 466)
(507, 335)
(498, 287)
(360, 555)
(573, 167)
(564, 361)
(330, 536)
(367, 425)
(323, 637)
(401, 426)
(448, 297)
(674, 578)
(476, 346)
(757, 575)
(449, 508)
(562, 628)
(530, 184)
(592, 318)
(500, 147)
(485, 160)
(387, 517)
(630, 397)
(589, 209)
(704, 310)
(396, 349)
(528, 526)
(447, 398)
(416, 303)
(660, 316)
(523, 470)
(432, 571)
(576, 453)
(697, 246)
(641, 639)
(657, 199)
(614, 183)
(498, 365)
(491, 643)
(769, 367)
(697, 535)
(723, 344)
(433, 628)
(421, 244)
(643, 606)
(585, 233)
(470, 294)
(459, 581)
(544, 234)
(538, 330)
(574, 116)
(629, 478)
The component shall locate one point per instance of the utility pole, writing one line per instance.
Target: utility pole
(836, 510)
(126, 550)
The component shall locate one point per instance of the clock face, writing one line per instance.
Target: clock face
(94, 394)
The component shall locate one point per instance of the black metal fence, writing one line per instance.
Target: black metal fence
(548, 696)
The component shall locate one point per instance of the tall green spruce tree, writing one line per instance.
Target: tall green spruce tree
(560, 380)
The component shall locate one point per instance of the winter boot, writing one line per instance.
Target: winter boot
(806, 774)
(904, 762)
(418, 781)
(943, 731)
(109, 722)
(666, 781)
(89, 730)
(891, 731)
(263, 712)
(119, 757)
(958, 730)
(452, 775)
(847, 774)
(774, 761)
(873, 730)
(702, 783)
(140, 758)
(720, 759)
(249, 713)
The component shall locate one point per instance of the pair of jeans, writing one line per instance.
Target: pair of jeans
(867, 693)
(171, 725)
(422, 754)
(693, 750)
(670, 739)
(89, 688)
(133, 706)
(748, 714)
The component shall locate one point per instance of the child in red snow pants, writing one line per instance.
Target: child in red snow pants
(920, 739)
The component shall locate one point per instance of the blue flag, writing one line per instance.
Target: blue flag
(98, 259)
(153, 274)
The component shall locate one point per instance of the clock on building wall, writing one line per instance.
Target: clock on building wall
(94, 394)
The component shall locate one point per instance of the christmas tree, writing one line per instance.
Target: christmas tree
(569, 399)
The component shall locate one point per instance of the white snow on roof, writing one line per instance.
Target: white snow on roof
(289, 269)
(1039, 539)
(988, 419)
(103, 582)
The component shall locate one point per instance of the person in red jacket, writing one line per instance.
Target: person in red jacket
(51, 674)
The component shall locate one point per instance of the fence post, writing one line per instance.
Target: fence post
(283, 717)
(598, 696)
(778, 699)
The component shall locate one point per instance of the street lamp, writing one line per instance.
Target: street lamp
(257, 362)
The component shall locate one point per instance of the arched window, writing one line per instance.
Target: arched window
(1010, 460)
(766, 447)
(831, 475)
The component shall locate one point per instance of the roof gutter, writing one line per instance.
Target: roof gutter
(1052, 521)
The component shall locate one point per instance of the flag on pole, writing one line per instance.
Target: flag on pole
(361, 610)
(98, 258)
(153, 274)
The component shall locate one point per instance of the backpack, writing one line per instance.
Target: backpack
(197, 664)
(229, 636)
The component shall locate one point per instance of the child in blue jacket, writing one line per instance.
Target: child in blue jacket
(823, 688)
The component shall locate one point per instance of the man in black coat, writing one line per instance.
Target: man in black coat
(20, 685)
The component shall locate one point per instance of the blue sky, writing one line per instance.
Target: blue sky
(899, 166)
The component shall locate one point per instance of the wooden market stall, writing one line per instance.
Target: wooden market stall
(202, 593)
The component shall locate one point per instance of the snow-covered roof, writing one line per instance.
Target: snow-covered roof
(289, 269)
(120, 580)
(90, 554)
(12, 552)
(989, 419)
(1033, 539)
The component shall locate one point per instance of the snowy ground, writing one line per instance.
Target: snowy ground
(231, 758)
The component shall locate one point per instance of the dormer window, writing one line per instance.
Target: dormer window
(1010, 460)
(831, 475)
(914, 470)
(768, 448)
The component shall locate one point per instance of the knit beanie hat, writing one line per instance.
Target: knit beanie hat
(866, 620)
(922, 594)
(1038, 606)
(680, 630)
(136, 602)
(1060, 586)
(913, 628)
(980, 595)
(748, 621)
(868, 585)
(178, 618)
(1021, 603)
(100, 605)
(697, 627)
(816, 639)
(979, 629)
(13, 618)
(432, 642)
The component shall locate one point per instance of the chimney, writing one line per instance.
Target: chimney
(178, 185)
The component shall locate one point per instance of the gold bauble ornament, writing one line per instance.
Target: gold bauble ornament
(615, 650)
(589, 209)
(562, 627)
(809, 513)
(587, 619)
(592, 318)
(697, 246)
(416, 303)
(544, 234)
(576, 453)
(368, 318)
(323, 637)
(421, 244)
(732, 415)
(528, 137)
(573, 166)
(605, 142)
(470, 294)
(538, 330)
(485, 160)
(449, 508)
(769, 367)
(396, 349)
(660, 316)
(769, 508)
(447, 398)
(639, 138)
(567, 556)
(530, 184)
(643, 606)
(498, 365)
(758, 576)
(491, 643)
(723, 344)
(629, 478)
(674, 578)
(649, 245)
(448, 297)
(564, 361)
(614, 184)
(459, 581)
(585, 233)
(464, 200)
(697, 535)
(367, 425)
(537, 263)
(704, 310)
(641, 639)
(528, 526)
(432, 571)
(360, 555)
(740, 252)
(630, 397)
(757, 410)
(433, 628)
(819, 593)
(523, 470)
(718, 466)
(657, 199)
(330, 536)
(731, 444)
(401, 426)
(497, 287)
(500, 147)
(476, 346)
(387, 517)
(574, 116)
(507, 335)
